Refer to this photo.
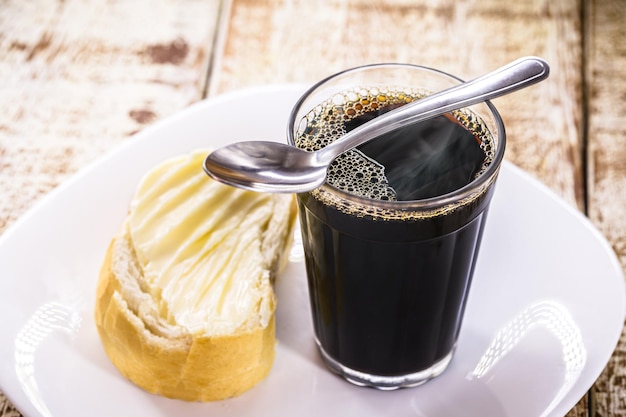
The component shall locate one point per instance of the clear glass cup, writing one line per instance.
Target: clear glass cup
(390, 255)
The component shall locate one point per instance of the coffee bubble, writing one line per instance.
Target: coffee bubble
(365, 175)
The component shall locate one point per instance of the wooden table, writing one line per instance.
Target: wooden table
(78, 77)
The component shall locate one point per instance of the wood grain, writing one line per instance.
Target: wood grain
(79, 77)
(606, 136)
(278, 41)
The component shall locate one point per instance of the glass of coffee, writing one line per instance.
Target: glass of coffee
(391, 239)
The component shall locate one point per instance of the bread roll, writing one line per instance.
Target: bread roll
(185, 305)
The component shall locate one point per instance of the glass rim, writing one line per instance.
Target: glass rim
(460, 194)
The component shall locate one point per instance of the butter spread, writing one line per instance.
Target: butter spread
(201, 248)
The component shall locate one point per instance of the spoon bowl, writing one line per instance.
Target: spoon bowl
(281, 168)
(266, 166)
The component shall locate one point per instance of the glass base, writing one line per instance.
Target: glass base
(386, 383)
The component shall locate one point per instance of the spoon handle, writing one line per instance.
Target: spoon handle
(511, 77)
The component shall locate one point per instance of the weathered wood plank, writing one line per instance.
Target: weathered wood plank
(277, 41)
(77, 77)
(606, 86)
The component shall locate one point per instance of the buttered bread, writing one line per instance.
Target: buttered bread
(185, 305)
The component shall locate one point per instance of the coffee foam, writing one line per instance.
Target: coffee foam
(355, 173)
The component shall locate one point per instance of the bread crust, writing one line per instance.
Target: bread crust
(189, 367)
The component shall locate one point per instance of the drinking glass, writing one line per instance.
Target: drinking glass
(389, 274)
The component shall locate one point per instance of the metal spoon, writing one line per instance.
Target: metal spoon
(280, 168)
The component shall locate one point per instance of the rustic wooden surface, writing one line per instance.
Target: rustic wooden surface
(78, 77)
(606, 163)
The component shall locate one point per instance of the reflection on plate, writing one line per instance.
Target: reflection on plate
(544, 315)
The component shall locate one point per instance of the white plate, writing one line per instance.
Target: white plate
(544, 315)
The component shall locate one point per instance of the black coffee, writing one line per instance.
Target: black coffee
(427, 159)
(387, 286)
